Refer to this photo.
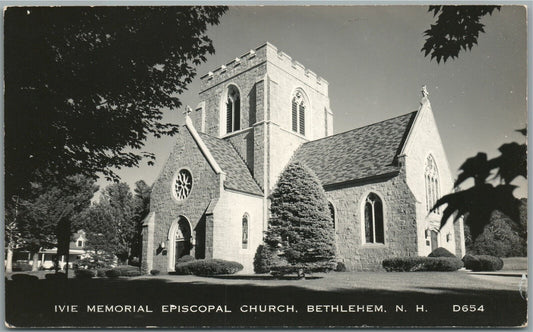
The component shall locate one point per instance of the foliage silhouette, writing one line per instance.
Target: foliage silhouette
(483, 198)
(85, 86)
(457, 28)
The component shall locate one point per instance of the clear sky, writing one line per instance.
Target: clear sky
(370, 55)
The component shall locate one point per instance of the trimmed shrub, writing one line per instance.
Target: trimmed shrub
(24, 277)
(127, 271)
(414, 264)
(154, 272)
(264, 258)
(21, 266)
(84, 274)
(483, 263)
(54, 276)
(441, 252)
(208, 267)
(112, 273)
(100, 273)
(185, 259)
(340, 267)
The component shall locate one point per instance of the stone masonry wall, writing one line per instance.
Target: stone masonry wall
(266, 79)
(227, 228)
(399, 223)
(243, 74)
(287, 75)
(185, 154)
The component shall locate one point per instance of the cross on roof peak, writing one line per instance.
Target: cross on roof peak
(188, 111)
(425, 92)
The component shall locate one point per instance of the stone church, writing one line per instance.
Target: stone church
(259, 112)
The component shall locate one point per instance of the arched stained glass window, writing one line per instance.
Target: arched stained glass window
(332, 212)
(374, 230)
(245, 231)
(431, 175)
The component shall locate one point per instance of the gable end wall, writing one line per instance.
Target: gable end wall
(185, 154)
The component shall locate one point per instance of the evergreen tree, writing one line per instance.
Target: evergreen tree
(501, 237)
(300, 228)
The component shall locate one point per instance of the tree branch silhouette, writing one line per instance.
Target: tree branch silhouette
(457, 29)
(483, 198)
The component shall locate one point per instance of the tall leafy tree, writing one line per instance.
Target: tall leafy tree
(102, 242)
(13, 236)
(118, 200)
(457, 29)
(85, 86)
(141, 201)
(300, 228)
(46, 217)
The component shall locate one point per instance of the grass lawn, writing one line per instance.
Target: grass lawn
(514, 263)
(33, 302)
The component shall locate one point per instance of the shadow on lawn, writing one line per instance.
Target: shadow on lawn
(30, 303)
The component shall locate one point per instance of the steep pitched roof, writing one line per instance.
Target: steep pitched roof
(238, 177)
(359, 153)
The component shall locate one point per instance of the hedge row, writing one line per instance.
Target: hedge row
(185, 259)
(415, 264)
(482, 263)
(208, 267)
(119, 271)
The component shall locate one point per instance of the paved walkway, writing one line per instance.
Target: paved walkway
(503, 273)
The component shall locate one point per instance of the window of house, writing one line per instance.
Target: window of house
(431, 175)
(374, 232)
(233, 110)
(332, 212)
(80, 243)
(298, 113)
(245, 231)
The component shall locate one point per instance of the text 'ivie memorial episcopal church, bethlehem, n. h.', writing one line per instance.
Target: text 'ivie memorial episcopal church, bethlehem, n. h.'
(258, 113)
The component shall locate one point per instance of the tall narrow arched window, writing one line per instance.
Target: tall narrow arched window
(298, 113)
(233, 109)
(374, 230)
(332, 212)
(245, 231)
(431, 175)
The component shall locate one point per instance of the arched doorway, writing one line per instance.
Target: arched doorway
(179, 241)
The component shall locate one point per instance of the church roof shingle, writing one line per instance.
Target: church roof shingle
(238, 176)
(359, 153)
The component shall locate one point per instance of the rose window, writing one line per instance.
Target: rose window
(182, 184)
